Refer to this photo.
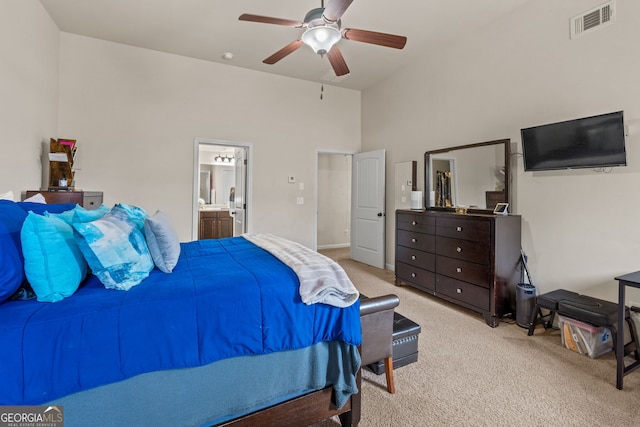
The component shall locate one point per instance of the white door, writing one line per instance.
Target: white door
(367, 208)
(238, 206)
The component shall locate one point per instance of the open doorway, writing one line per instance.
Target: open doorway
(350, 204)
(221, 189)
(333, 200)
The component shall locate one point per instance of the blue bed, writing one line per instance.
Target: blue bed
(228, 308)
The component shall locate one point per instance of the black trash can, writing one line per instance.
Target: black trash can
(525, 303)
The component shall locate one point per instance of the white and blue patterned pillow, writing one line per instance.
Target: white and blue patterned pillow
(80, 214)
(115, 249)
(135, 213)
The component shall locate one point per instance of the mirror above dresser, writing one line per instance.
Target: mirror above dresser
(473, 176)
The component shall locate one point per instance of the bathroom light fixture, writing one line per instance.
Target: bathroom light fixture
(220, 159)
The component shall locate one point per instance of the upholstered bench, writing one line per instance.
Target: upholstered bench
(583, 308)
(548, 301)
(405, 344)
(376, 317)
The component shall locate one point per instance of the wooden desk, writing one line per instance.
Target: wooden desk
(633, 280)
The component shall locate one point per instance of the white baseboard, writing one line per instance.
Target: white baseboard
(337, 246)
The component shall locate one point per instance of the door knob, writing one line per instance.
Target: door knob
(380, 214)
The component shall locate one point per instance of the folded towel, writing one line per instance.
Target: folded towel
(321, 279)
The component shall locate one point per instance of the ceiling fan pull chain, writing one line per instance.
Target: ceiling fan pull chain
(321, 90)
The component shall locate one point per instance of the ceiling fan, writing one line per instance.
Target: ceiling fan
(323, 31)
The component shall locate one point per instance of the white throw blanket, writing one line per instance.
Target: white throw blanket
(321, 278)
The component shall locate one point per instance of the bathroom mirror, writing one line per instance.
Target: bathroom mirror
(404, 183)
(474, 176)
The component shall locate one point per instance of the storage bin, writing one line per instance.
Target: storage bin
(584, 338)
(634, 313)
(405, 344)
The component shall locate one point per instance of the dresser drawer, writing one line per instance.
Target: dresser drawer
(92, 200)
(421, 241)
(50, 197)
(478, 274)
(416, 222)
(417, 258)
(417, 276)
(463, 292)
(462, 228)
(466, 250)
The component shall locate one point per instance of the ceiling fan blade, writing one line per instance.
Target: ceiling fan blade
(337, 62)
(372, 37)
(268, 20)
(290, 48)
(335, 9)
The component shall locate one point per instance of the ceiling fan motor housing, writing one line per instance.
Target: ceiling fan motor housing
(321, 34)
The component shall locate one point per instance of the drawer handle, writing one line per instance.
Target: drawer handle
(459, 291)
(459, 249)
(414, 223)
(459, 270)
(414, 240)
(458, 229)
(413, 257)
(413, 274)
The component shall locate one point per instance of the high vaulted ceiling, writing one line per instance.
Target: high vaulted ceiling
(207, 29)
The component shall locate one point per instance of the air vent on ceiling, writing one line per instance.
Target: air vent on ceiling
(593, 19)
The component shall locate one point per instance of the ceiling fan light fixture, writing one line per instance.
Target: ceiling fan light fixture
(321, 38)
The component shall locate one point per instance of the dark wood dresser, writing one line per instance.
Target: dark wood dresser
(86, 199)
(472, 260)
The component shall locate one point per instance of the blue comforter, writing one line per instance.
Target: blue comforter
(225, 298)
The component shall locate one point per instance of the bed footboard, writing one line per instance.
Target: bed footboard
(318, 405)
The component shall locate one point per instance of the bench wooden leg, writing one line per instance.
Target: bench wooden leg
(388, 368)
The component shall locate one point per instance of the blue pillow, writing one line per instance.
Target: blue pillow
(11, 261)
(41, 208)
(115, 250)
(53, 262)
(162, 240)
(11, 272)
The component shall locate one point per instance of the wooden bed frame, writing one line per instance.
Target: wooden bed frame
(317, 406)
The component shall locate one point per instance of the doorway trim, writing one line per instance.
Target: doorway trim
(320, 151)
(196, 175)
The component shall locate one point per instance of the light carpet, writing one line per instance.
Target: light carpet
(469, 374)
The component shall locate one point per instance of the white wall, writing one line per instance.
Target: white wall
(580, 228)
(29, 43)
(136, 112)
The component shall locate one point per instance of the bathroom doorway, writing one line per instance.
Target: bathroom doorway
(221, 188)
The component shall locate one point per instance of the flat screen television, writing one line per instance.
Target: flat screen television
(590, 142)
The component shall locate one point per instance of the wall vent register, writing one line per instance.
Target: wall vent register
(593, 19)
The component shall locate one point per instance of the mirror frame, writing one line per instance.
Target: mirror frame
(507, 173)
